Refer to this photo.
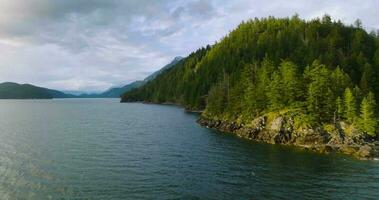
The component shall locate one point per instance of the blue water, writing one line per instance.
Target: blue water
(102, 149)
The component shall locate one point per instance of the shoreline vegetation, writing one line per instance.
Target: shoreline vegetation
(312, 84)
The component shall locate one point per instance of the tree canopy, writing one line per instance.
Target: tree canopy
(321, 67)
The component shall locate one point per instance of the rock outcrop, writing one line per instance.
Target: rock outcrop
(281, 130)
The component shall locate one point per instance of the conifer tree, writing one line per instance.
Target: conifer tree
(367, 121)
(368, 79)
(350, 105)
(320, 102)
(291, 80)
(248, 79)
(263, 81)
(275, 91)
(340, 81)
(339, 108)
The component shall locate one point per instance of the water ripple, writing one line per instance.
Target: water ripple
(101, 149)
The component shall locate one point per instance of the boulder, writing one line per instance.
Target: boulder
(259, 123)
(311, 137)
(348, 149)
(277, 125)
(365, 151)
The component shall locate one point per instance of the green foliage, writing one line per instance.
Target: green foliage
(320, 98)
(340, 81)
(218, 98)
(292, 82)
(339, 109)
(350, 105)
(268, 65)
(368, 121)
(275, 92)
(9, 90)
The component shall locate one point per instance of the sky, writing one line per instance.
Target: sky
(92, 45)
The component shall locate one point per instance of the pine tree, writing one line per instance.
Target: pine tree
(339, 109)
(291, 80)
(350, 105)
(275, 91)
(367, 81)
(265, 72)
(248, 87)
(358, 94)
(367, 121)
(376, 70)
(320, 101)
(218, 98)
(340, 81)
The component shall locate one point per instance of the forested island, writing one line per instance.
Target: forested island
(313, 84)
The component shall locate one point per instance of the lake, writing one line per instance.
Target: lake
(102, 149)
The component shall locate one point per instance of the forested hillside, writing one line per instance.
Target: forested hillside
(322, 70)
(9, 90)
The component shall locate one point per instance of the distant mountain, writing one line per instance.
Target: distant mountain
(168, 66)
(118, 91)
(9, 90)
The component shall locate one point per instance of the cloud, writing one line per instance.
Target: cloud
(91, 45)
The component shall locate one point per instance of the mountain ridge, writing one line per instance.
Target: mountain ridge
(11, 90)
(118, 91)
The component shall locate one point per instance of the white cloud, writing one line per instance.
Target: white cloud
(93, 45)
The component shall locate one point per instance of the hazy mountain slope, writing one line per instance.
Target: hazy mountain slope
(9, 90)
(118, 91)
(168, 66)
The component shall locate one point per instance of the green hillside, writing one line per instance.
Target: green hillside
(322, 70)
(9, 90)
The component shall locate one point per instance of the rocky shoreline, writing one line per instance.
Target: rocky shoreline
(281, 131)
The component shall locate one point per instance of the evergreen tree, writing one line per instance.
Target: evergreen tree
(291, 80)
(320, 101)
(264, 73)
(247, 77)
(368, 121)
(367, 81)
(339, 109)
(340, 81)
(350, 105)
(274, 94)
(218, 98)
(358, 94)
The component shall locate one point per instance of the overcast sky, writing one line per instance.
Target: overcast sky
(91, 45)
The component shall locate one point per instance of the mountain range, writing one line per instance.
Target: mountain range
(10, 90)
(118, 91)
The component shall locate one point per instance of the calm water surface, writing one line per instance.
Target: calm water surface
(101, 149)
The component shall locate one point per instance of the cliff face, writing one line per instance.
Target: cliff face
(338, 138)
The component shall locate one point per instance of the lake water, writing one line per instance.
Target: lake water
(102, 149)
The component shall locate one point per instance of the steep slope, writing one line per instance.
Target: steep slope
(118, 91)
(295, 74)
(9, 90)
(274, 40)
(168, 66)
